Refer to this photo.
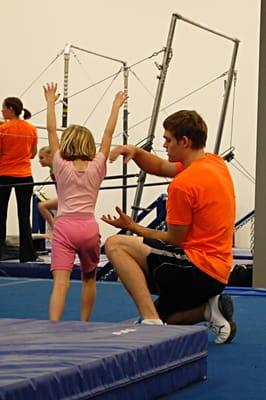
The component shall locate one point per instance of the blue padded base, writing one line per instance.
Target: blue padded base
(13, 268)
(31, 270)
(73, 360)
(40, 270)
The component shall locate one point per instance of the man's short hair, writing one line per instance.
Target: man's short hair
(187, 123)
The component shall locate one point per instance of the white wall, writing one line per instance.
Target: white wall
(34, 33)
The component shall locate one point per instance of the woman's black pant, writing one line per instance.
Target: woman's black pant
(23, 197)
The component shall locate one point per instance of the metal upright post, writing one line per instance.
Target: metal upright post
(156, 107)
(259, 267)
(65, 94)
(125, 137)
(226, 98)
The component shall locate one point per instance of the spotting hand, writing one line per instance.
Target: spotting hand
(122, 222)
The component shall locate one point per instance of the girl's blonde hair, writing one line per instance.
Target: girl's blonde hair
(77, 142)
(45, 149)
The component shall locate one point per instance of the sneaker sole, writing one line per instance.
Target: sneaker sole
(226, 307)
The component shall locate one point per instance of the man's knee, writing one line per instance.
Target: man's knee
(112, 243)
(120, 246)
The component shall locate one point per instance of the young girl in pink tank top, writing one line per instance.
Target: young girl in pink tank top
(79, 172)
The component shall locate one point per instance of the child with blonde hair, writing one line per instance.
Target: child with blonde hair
(45, 158)
(47, 207)
(79, 171)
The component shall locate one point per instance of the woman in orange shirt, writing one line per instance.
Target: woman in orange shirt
(18, 145)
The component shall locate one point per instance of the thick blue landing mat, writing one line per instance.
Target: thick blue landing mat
(43, 360)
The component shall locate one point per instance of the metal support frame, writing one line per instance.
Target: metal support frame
(156, 107)
(66, 53)
(65, 94)
(226, 98)
(125, 137)
(158, 97)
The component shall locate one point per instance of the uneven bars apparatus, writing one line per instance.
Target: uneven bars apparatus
(66, 53)
(156, 107)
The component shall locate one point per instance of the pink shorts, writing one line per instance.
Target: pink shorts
(75, 234)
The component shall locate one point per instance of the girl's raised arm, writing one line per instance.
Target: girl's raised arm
(51, 97)
(120, 98)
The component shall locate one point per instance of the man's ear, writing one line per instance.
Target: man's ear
(186, 141)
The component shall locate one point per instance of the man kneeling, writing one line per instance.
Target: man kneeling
(188, 265)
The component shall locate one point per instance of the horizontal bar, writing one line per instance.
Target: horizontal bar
(102, 188)
(205, 28)
(54, 182)
(133, 186)
(122, 176)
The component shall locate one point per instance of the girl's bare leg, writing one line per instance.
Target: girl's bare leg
(88, 294)
(58, 297)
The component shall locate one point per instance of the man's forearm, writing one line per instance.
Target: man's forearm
(148, 162)
(148, 232)
(153, 164)
(175, 234)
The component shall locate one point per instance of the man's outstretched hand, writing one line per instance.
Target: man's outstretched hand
(121, 222)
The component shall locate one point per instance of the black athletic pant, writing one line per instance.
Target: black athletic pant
(23, 197)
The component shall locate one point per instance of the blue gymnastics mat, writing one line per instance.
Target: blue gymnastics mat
(41, 270)
(44, 360)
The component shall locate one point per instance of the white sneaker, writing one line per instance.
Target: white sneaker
(221, 322)
(142, 321)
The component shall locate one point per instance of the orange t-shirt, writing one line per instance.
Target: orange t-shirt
(202, 196)
(17, 138)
